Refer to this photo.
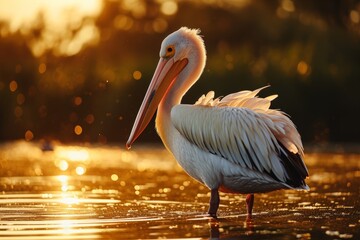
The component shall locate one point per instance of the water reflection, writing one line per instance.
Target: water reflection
(146, 189)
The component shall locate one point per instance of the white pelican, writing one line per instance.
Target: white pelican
(235, 144)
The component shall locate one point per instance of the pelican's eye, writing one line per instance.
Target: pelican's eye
(170, 51)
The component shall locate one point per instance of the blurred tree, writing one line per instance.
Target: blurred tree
(308, 51)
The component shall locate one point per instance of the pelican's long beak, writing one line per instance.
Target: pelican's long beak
(166, 72)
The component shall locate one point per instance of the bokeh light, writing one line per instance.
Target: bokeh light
(80, 170)
(288, 5)
(123, 22)
(78, 130)
(303, 68)
(169, 7)
(65, 30)
(18, 111)
(114, 177)
(77, 101)
(354, 16)
(63, 165)
(42, 68)
(29, 135)
(137, 75)
(20, 99)
(90, 118)
(13, 86)
(76, 70)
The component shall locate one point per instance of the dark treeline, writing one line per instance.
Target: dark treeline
(308, 51)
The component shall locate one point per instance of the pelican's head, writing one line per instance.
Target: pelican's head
(181, 44)
(182, 59)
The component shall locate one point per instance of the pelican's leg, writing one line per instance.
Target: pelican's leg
(214, 229)
(214, 202)
(249, 204)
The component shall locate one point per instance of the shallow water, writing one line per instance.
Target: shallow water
(105, 192)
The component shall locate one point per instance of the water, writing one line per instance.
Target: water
(106, 192)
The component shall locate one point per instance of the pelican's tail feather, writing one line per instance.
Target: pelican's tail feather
(246, 99)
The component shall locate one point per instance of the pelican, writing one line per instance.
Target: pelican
(236, 144)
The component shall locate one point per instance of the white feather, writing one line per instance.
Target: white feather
(240, 128)
(236, 142)
(278, 122)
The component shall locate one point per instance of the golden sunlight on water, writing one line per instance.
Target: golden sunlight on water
(59, 20)
(106, 192)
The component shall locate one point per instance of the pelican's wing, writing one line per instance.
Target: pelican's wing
(280, 125)
(250, 137)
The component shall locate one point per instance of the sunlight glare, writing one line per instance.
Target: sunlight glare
(114, 177)
(63, 165)
(75, 154)
(70, 200)
(62, 178)
(67, 227)
(62, 24)
(80, 170)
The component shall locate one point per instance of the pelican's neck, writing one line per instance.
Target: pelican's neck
(174, 95)
(164, 126)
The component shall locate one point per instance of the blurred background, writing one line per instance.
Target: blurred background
(76, 71)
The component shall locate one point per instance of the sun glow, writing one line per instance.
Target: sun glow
(72, 153)
(65, 26)
(67, 227)
(80, 170)
(70, 200)
(63, 179)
